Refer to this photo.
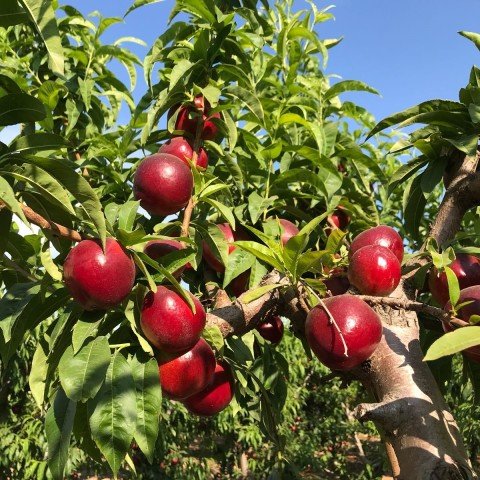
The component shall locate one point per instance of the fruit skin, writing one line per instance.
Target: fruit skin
(374, 270)
(340, 218)
(180, 147)
(163, 184)
(272, 329)
(469, 294)
(289, 230)
(240, 284)
(383, 236)
(467, 270)
(230, 236)
(157, 249)
(337, 284)
(168, 323)
(201, 110)
(216, 396)
(361, 328)
(98, 280)
(185, 375)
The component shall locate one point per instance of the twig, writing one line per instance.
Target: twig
(413, 306)
(56, 229)
(10, 263)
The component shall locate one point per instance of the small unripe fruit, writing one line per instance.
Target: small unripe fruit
(168, 323)
(374, 270)
(272, 329)
(340, 218)
(96, 279)
(359, 325)
(465, 267)
(191, 116)
(383, 236)
(183, 376)
(180, 147)
(216, 397)
(156, 249)
(163, 184)
(289, 230)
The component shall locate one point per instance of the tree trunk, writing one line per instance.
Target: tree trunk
(421, 436)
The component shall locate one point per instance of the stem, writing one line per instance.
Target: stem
(56, 229)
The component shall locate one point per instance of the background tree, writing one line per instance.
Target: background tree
(245, 83)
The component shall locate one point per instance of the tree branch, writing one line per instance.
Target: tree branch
(56, 229)
(463, 193)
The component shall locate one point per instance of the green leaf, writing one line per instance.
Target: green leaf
(38, 373)
(58, 427)
(453, 342)
(213, 336)
(239, 261)
(414, 112)
(414, 203)
(18, 108)
(258, 204)
(311, 261)
(249, 99)
(38, 141)
(11, 13)
(86, 327)
(149, 404)
(138, 258)
(140, 3)
(114, 412)
(42, 15)
(65, 173)
(261, 252)
(83, 373)
(256, 293)
(225, 211)
(348, 86)
(127, 214)
(293, 249)
(7, 196)
(472, 36)
(405, 172)
(453, 286)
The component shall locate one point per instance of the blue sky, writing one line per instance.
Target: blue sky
(410, 51)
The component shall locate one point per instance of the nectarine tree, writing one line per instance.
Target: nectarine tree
(243, 195)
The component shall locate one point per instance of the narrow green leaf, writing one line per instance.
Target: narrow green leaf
(348, 86)
(42, 15)
(114, 412)
(256, 293)
(453, 342)
(149, 403)
(83, 373)
(453, 286)
(58, 426)
(138, 4)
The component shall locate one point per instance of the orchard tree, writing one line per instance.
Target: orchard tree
(241, 191)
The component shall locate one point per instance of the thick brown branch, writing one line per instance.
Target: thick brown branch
(43, 223)
(463, 194)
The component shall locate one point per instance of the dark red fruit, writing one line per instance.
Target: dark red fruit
(374, 270)
(187, 374)
(156, 249)
(289, 230)
(340, 218)
(163, 184)
(272, 329)
(216, 396)
(96, 279)
(337, 284)
(180, 147)
(230, 236)
(467, 270)
(240, 284)
(383, 236)
(190, 116)
(361, 328)
(472, 295)
(168, 323)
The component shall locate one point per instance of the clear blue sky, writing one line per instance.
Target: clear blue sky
(408, 50)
